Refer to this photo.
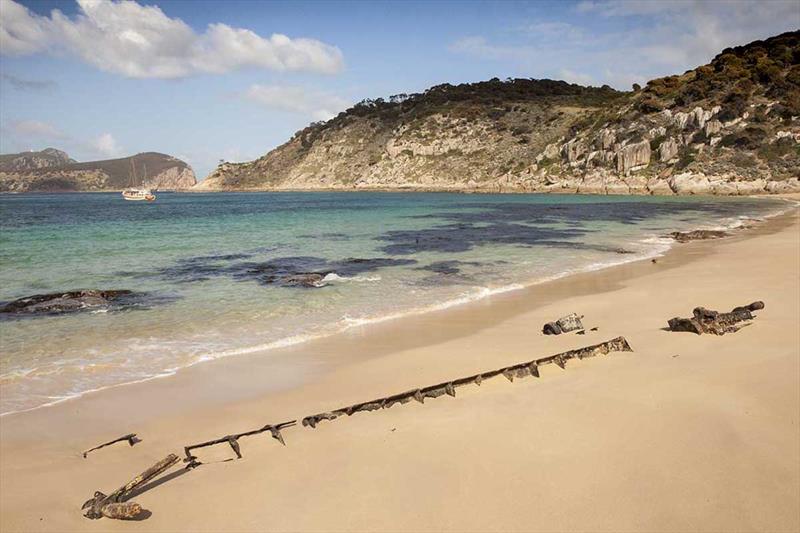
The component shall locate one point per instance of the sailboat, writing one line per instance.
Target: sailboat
(135, 194)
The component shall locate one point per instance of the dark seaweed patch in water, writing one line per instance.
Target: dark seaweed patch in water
(463, 237)
(627, 212)
(448, 267)
(535, 224)
(219, 257)
(331, 236)
(273, 271)
(282, 268)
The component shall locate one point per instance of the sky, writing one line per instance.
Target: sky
(229, 80)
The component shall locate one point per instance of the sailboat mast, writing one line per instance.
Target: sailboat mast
(133, 174)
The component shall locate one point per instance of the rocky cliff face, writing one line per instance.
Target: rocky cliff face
(173, 178)
(148, 169)
(730, 127)
(49, 157)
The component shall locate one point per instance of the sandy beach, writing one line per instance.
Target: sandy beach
(685, 433)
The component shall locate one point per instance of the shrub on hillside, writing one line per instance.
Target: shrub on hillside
(750, 138)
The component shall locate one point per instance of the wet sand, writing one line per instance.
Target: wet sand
(690, 433)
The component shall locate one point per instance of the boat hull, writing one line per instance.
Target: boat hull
(138, 195)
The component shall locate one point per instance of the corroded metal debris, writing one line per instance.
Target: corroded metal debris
(130, 437)
(521, 370)
(708, 321)
(233, 441)
(114, 505)
(565, 324)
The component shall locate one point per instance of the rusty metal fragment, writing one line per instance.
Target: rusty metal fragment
(115, 506)
(131, 438)
(565, 324)
(122, 511)
(101, 505)
(521, 370)
(233, 441)
(235, 446)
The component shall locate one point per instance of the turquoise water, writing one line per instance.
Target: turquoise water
(212, 268)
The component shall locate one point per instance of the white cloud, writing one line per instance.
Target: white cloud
(20, 34)
(647, 39)
(137, 41)
(105, 145)
(480, 47)
(556, 30)
(34, 129)
(316, 104)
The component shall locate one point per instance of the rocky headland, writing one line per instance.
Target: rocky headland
(52, 170)
(730, 127)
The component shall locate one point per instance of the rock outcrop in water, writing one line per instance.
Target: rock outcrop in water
(58, 173)
(63, 302)
(698, 235)
(730, 127)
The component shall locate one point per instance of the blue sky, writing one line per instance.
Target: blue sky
(207, 80)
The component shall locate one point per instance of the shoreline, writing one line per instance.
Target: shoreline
(699, 248)
(442, 306)
(509, 191)
(224, 396)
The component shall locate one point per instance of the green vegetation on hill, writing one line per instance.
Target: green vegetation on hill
(152, 169)
(729, 127)
(769, 68)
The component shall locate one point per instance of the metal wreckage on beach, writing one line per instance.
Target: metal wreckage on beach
(117, 504)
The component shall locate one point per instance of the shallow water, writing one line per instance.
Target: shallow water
(212, 268)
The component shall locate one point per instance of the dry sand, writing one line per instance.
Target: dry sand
(687, 433)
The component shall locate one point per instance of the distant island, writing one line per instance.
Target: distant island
(52, 170)
(729, 127)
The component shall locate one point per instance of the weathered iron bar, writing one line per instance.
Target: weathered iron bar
(112, 506)
(131, 438)
(520, 370)
(233, 441)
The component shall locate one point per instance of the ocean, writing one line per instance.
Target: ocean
(219, 275)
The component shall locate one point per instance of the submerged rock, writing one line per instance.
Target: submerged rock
(305, 279)
(698, 235)
(63, 302)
